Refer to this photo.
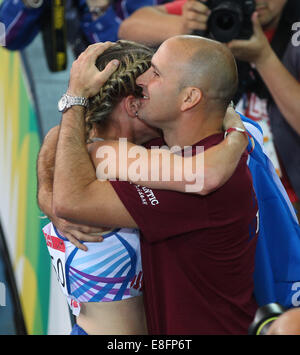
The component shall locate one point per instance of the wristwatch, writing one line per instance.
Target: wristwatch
(68, 101)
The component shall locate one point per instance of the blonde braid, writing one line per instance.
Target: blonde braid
(134, 60)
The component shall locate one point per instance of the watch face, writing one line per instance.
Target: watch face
(62, 103)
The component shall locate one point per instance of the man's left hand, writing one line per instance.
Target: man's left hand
(256, 49)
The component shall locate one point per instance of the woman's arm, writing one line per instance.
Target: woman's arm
(162, 169)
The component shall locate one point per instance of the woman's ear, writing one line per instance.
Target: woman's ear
(191, 97)
(132, 104)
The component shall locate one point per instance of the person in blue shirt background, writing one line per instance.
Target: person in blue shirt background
(88, 21)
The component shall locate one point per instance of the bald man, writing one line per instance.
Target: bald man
(197, 251)
(197, 71)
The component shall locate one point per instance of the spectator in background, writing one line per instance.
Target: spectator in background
(89, 21)
(270, 99)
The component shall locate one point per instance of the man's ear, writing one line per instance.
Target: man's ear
(132, 105)
(191, 97)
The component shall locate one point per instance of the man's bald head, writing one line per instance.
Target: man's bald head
(210, 66)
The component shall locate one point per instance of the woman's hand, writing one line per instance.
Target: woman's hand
(232, 119)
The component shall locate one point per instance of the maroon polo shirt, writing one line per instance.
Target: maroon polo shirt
(197, 254)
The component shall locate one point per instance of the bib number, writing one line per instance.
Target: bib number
(59, 269)
(57, 249)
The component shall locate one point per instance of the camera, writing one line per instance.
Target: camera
(53, 26)
(264, 317)
(230, 19)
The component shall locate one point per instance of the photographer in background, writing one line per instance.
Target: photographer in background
(88, 21)
(272, 100)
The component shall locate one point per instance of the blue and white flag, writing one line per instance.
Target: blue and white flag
(277, 263)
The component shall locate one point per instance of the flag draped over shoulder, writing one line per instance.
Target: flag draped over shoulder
(277, 263)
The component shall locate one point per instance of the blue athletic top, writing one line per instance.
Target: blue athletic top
(109, 271)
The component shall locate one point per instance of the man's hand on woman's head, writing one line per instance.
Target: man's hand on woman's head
(85, 78)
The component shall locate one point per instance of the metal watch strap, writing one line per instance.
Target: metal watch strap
(67, 101)
(75, 100)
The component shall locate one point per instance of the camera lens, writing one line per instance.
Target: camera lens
(225, 21)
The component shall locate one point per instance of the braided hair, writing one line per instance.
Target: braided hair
(134, 60)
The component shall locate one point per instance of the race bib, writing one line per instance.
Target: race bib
(136, 285)
(57, 251)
